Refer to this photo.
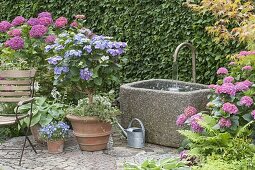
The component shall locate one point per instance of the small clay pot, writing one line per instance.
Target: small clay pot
(91, 133)
(55, 147)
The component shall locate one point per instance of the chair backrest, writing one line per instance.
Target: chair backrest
(16, 85)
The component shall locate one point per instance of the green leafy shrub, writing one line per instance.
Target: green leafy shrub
(101, 107)
(152, 29)
(44, 112)
(165, 164)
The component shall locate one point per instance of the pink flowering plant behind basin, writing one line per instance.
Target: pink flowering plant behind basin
(85, 60)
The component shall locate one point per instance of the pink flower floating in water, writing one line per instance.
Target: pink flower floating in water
(222, 70)
(230, 108)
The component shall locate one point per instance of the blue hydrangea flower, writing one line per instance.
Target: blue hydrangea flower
(85, 74)
(59, 70)
(59, 47)
(48, 48)
(87, 48)
(54, 60)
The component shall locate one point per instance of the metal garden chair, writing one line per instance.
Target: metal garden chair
(17, 86)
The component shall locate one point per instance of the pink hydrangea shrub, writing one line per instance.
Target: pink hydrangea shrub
(223, 122)
(190, 111)
(246, 101)
(5, 26)
(15, 43)
(14, 32)
(61, 22)
(19, 20)
(181, 120)
(230, 108)
(38, 31)
(222, 70)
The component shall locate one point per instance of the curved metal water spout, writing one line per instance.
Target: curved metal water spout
(193, 50)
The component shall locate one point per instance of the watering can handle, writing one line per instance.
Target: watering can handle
(141, 124)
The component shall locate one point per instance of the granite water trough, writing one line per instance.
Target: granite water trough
(158, 105)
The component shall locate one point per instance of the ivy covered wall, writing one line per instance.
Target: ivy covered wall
(152, 28)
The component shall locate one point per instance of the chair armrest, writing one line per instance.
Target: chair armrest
(25, 101)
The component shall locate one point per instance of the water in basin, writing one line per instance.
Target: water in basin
(166, 86)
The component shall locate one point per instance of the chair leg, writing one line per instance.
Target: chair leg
(22, 152)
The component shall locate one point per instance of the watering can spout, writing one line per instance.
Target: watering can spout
(123, 130)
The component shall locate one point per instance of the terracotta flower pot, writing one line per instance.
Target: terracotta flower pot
(91, 133)
(35, 132)
(55, 146)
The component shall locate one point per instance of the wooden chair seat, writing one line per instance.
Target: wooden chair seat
(17, 87)
(10, 120)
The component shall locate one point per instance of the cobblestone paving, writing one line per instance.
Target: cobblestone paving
(74, 159)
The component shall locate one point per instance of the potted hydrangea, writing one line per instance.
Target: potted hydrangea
(54, 134)
(87, 62)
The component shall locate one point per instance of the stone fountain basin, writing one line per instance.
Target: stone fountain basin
(158, 108)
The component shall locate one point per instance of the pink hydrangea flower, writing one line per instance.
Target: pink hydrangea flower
(232, 63)
(14, 32)
(38, 31)
(253, 114)
(247, 68)
(222, 70)
(44, 14)
(248, 83)
(15, 43)
(241, 86)
(74, 24)
(212, 86)
(5, 26)
(226, 88)
(223, 122)
(194, 123)
(61, 22)
(190, 111)
(46, 21)
(245, 53)
(246, 101)
(80, 16)
(18, 20)
(183, 154)
(181, 120)
(230, 108)
(50, 39)
(33, 21)
(228, 79)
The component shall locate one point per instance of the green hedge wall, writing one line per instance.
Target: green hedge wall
(152, 28)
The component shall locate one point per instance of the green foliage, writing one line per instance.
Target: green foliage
(165, 164)
(153, 29)
(213, 141)
(100, 107)
(44, 112)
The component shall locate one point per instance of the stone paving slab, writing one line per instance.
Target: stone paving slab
(74, 159)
